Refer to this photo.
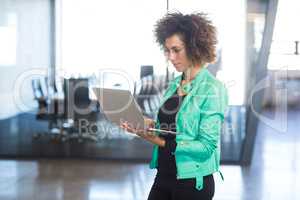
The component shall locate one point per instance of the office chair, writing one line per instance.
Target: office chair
(39, 97)
(146, 91)
(78, 109)
(47, 110)
(146, 70)
(149, 88)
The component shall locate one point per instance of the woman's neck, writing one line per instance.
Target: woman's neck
(191, 72)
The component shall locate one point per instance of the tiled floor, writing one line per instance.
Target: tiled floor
(273, 175)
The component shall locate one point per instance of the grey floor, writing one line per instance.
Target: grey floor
(274, 173)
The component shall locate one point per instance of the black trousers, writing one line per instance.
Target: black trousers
(169, 188)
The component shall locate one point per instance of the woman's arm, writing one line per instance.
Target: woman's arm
(212, 116)
(154, 139)
(206, 142)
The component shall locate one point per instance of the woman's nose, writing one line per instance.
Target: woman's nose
(172, 56)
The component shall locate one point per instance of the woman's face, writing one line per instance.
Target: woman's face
(175, 52)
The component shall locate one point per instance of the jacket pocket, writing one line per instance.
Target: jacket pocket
(186, 168)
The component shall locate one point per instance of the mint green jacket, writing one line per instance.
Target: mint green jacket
(198, 125)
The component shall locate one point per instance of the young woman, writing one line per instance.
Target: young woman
(193, 106)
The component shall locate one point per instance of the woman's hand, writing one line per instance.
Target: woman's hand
(149, 122)
(130, 129)
(146, 134)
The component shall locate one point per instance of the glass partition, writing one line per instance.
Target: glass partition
(260, 24)
(93, 37)
(24, 55)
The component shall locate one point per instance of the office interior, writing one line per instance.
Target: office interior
(55, 141)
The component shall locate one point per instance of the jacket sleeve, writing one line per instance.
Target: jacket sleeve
(209, 129)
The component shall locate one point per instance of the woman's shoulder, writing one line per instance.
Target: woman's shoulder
(215, 90)
(210, 82)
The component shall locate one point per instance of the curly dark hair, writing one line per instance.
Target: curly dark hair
(195, 30)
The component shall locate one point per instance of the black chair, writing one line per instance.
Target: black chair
(47, 109)
(149, 88)
(146, 70)
(79, 108)
(40, 98)
(147, 91)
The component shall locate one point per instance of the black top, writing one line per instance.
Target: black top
(166, 116)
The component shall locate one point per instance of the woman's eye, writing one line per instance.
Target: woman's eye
(176, 50)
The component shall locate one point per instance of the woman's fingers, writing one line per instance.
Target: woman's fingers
(123, 125)
(139, 132)
(128, 128)
(149, 122)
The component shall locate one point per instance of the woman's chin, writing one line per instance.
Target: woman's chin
(179, 69)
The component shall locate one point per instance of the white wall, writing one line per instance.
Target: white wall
(30, 44)
(95, 35)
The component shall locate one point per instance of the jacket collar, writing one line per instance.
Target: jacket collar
(199, 77)
(174, 84)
